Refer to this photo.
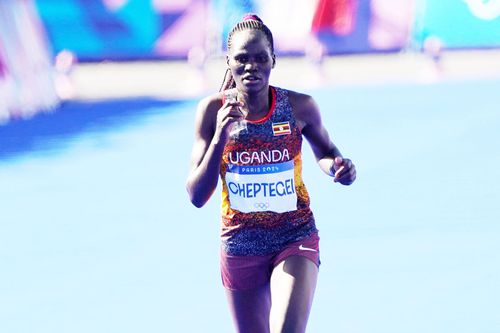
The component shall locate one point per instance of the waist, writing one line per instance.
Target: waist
(262, 241)
(265, 232)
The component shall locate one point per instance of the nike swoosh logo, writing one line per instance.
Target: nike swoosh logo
(303, 248)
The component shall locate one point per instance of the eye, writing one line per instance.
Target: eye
(242, 59)
(262, 58)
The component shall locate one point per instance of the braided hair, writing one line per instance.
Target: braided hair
(248, 22)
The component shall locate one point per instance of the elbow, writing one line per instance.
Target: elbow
(196, 200)
(199, 192)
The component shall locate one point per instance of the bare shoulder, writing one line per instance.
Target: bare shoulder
(210, 104)
(297, 98)
(206, 113)
(304, 107)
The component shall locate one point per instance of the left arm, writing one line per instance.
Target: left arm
(328, 156)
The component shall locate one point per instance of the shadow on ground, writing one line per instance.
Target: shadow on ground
(49, 131)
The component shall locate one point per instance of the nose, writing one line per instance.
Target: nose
(251, 66)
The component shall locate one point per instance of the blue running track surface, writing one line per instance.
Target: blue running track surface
(97, 234)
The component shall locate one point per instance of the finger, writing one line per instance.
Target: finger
(337, 162)
(229, 110)
(232, 104)
(229, 118)
(345, 172)
(348, 177)
(338, 173)
(347, 162)
(235, 103)
(236, 114)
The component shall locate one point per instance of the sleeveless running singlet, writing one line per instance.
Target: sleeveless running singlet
(265, 204)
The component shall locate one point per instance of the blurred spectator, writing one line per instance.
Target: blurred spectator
(337, 16)
(26, 74)
(64, 64)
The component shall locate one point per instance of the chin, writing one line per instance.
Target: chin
(253, 86)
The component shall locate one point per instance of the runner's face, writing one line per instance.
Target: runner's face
(250, 60)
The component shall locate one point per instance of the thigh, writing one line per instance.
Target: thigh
(293, 283)
(250, 309)
(245, 272)
(246, 280)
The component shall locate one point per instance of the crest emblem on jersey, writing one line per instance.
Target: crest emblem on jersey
(282, 128)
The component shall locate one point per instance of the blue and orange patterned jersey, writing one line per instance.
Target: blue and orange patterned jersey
(265, 204)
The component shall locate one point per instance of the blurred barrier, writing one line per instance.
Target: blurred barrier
(126, 29)
(458, 24)
(26, 74)
(166, 29)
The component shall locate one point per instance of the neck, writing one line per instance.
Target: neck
(257, 103)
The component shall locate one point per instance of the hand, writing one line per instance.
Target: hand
(343, 170)
(229, 114)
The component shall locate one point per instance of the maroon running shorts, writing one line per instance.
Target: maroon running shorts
(248, 272)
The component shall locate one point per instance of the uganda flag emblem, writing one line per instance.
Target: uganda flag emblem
(281, 128)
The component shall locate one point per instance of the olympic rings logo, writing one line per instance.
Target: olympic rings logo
(261, 205)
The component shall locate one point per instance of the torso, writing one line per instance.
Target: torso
(265, 204)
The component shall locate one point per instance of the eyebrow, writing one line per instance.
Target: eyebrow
(246, 53)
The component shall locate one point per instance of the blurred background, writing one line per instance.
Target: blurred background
(97, 101)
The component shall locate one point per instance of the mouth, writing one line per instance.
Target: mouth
(251, 78)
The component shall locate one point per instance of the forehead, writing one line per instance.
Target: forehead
(249, 40)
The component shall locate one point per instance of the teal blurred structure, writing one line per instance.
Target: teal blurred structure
(167, 29)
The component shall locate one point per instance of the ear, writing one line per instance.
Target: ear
(274, 61)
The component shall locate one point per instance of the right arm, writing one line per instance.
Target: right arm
(212, 124)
